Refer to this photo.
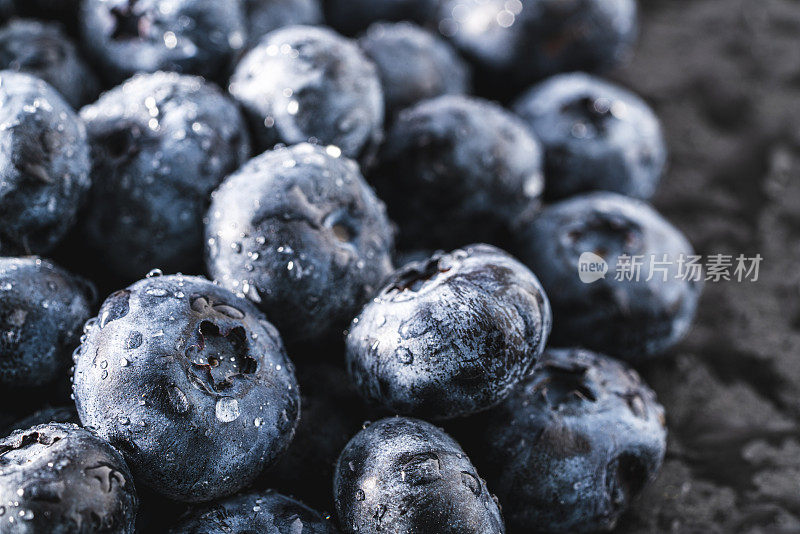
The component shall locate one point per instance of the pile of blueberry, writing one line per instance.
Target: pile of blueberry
(253, 143)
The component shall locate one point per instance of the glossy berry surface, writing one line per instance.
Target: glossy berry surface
(161, 143)
(449, 336)
(596, 136)
(406, 475)
(266, 511)
(574, 444)
(44, 50)
(176, 371)
(299, 232)
(264, 16)
(526, 40)
(188, 36)
(413, 64)
(624, 314)
(62, 479)
(44, 163)
(42, 310)
(457, 169)
(305, 83)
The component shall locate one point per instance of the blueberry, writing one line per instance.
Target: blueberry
(255, 512)
(43, 50)
(264, 16)
(456, 169)
(161, 143)
(190, 382)
(617, 315)
(188, 36)
(62, 479)
(449, 336)
(42, 310)
(45, 165)
(596, 135)
(58, 414)
(413, 64)
(298, 231)
(304, 83)
(353, 16)
(574, 444)
(526, 40)
(332, 413)
(406, 475)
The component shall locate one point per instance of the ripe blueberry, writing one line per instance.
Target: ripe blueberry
(574, 444)
(62, 479)
(299, 232)
(190, 382)
(457, 169)
(304, 83)
(161, 143)
(406, 475)
(449, 336)
(626, 315)
(596, 136)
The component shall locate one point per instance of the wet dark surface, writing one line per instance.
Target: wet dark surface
(724, 75)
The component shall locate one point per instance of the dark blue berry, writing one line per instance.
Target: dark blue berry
(44, 162)
(353, 16)
(449, 336)
(627, 315)
(455, 170)
(42, 310)
(304, 83)
(190, 382)
(161, 143)
(526, 40)
(43, 50)
(188, 36)
(596, 136)
(406, 475)
(573, 445)
(299, 232)
(62, 479)
(413, 64)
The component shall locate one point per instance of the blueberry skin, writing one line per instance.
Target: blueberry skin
(631, 320)
(62, 479)
(299, 232)
(596, 136)
(539, 38)
(574, 444)
(449, 336)
(264, 16)
(44, 165)
(58, 414)
(332, 413)
(266, 511)
(353, 16)
(457, 169)
(190, 382)
(187, 36)
(413, 64)
(43, 50)
(161, 143)
(304, 83)
(407, 476)
(42, 310)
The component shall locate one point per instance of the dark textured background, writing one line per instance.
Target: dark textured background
(724, 75)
